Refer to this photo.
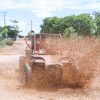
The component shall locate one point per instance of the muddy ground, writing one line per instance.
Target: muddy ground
(12, 89)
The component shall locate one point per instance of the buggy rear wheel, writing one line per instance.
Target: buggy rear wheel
(24, 71)
(26, 78)
(21, 63)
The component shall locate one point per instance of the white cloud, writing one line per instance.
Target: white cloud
(86, 6)
(5, 3)
(45, 8)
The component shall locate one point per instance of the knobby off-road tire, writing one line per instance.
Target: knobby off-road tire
(24, 71)
(21, 63)
(26, 74)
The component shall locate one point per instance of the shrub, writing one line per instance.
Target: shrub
(2, 43)
(9, 42)
(68, 31)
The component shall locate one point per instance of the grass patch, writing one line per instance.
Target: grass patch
(6, 42)
(2, 43)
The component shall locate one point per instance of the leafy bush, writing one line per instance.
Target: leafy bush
(68, 31)
(8, 42)
(2, 43)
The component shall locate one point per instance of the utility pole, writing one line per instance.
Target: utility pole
(31, 25)
(4, 16)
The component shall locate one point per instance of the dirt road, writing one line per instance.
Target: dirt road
(12, 89)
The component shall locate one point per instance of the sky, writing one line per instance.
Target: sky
(36, 10)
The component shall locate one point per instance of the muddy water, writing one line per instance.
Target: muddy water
(12, 89)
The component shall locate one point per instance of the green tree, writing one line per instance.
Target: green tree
(67, 22)
(45, 26)
(51, 25)
(13, 31)
(56, 25)
(4, 32)
(83, 24)
(97, 20)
